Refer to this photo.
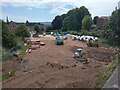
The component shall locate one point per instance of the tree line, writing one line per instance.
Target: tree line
(74, 20)
(80, 20)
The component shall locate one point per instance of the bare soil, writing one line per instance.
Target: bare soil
(53, 66)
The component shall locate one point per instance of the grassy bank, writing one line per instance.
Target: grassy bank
(7, 54)
(102, 77)
(7, 75)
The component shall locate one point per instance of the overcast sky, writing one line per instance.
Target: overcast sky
(46, 10)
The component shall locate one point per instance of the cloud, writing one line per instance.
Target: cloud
(59, 6)
(29, 8)
(55, 6)
(34, 3)
(14, 18)
(45, 3)
(59, 10)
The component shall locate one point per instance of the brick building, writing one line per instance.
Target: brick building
(12, 26)
(102, 20)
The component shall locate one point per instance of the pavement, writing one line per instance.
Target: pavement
(113, 83)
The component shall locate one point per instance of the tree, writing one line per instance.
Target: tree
(81, 13)
(87, 22)
(8, 39)
(65, 24)
(95, 20)
(27, 23)
(73, 18)
(22, 31)
(57, 22)
(49, 28)
(114, 23)
(37, 28)
(72, 22)
(7, 21)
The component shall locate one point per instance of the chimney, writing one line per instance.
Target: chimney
(115, 8)
(7, 21)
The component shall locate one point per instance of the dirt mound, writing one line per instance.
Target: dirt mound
(61, 66)
(100, 54)
(77, 84)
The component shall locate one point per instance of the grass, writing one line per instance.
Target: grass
(23, 49)
(6, 75)
(8, 53)
(102, 77)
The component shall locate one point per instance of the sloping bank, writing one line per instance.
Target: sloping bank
(113, 81)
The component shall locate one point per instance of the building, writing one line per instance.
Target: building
(12, 26)
(31, 29)
(102, 20)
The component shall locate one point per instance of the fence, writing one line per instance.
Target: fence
(10, 54)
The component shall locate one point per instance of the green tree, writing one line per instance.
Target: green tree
(65, 24)
(22, 31)
(72, 22)
(87, 22)
(49, 28)
(114, 23)
(73, 19)
(81, 13)
(37, 28)
(57, 22)
(95, 20)
(8, 39)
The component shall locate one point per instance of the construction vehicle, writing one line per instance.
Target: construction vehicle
(80, 55)
(59, 40)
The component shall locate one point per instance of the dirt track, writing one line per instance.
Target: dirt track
(53, 66)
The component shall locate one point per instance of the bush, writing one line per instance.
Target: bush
(93, 27)
(92, 44)
(8, 39)
(22, 31)
(49, 29)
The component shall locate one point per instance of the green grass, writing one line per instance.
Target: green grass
(21, 51)
(6, 75)
(102, 77)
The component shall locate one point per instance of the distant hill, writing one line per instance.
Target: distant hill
(46, 23)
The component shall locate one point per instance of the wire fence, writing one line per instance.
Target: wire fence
(11, 53)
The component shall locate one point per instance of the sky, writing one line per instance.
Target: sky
(46, 10)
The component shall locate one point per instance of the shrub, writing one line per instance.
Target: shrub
(92, 44)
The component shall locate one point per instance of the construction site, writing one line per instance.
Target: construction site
(48, 65)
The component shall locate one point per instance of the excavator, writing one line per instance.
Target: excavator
(59, 39)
